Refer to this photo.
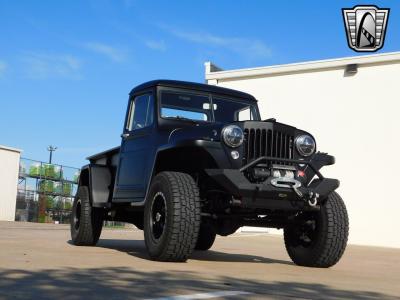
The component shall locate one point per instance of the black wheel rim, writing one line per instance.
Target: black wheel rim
(305, 231)
(77, 214)
(158, 215)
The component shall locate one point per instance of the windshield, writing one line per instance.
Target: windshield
(205, 108)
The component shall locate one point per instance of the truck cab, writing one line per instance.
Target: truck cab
(196, 161)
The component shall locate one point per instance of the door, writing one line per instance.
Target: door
(136, 149)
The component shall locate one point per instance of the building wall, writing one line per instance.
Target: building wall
(356, 119)
(9, 167)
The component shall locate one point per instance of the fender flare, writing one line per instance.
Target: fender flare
(98, 179)
(213, 148)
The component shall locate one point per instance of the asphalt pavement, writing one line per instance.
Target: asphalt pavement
(38, 261)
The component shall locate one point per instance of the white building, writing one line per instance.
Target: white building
(352, 107)
(9, 168)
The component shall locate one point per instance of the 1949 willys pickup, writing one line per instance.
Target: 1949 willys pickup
(197, 160)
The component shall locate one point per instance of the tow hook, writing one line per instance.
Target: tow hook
(311, 198)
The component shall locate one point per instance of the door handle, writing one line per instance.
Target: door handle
(125, 135)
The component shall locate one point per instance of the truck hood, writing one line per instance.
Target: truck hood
(212, 131)
(200, 131)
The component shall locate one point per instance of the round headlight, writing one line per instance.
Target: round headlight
(305, 145)
(232, 135)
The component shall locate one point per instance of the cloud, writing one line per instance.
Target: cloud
(3, 67)
(43, 66)
(156, 45)
(247, 47)
(111, 52)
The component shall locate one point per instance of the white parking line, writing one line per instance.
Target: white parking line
(204, 295)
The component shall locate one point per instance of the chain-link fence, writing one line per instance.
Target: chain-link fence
(45, 191)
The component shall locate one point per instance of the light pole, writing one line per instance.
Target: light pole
(51, 149)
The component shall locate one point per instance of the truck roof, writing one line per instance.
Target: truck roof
(193, 86)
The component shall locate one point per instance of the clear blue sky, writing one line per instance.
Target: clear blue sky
(66, 67)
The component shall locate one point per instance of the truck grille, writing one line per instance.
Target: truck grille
(266, 142)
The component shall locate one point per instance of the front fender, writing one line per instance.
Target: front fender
(214, 148)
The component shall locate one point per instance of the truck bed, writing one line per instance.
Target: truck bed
(109, 157)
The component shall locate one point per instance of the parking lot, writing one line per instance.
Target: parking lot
(37, 261)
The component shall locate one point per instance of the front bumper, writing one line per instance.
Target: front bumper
(268, 196)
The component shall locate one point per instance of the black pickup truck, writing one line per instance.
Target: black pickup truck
(197, 160)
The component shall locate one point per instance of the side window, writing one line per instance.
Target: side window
(140, 112)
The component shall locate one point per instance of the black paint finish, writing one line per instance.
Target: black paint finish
(196, 148)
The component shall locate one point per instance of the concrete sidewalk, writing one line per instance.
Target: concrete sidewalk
(37, 261)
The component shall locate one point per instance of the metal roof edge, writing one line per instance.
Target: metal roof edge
(302, 66)
(192, 85)
(10, 149)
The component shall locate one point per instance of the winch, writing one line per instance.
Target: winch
(284, 177)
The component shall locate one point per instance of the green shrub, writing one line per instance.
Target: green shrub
(46, 186)
(58, 188)
(68, 205)
(67, 189)
(34, 170)
(50, 202)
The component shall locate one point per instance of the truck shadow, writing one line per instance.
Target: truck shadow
(137, 248)
(130, 283)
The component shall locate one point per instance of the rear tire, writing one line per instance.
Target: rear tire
(172, 217)
(206, 237)
(319, 239)
(86, 221)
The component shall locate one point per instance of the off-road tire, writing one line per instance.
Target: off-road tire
(182, 218)
(206, 237)
(330, 236)
(87, 232)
